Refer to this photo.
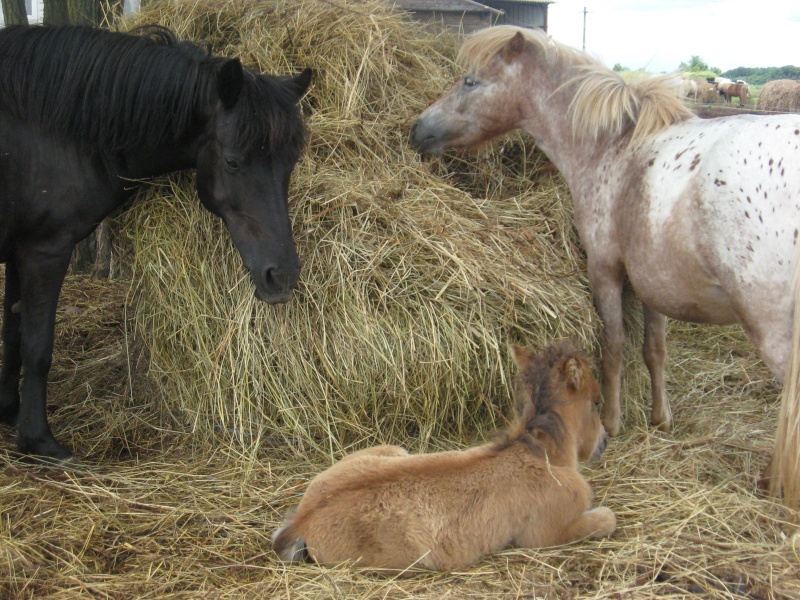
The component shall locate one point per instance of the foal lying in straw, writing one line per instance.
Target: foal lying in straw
(383, 508)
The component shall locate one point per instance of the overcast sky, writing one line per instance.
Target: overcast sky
(658, 35)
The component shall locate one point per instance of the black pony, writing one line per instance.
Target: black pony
(84, 114)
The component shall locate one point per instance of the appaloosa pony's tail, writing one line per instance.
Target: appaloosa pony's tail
(784, 470)
(288, 545)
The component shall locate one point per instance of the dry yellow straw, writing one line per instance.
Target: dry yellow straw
(784, 479)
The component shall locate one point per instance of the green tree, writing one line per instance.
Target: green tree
(695, 64)
(761, 75)
(56, 12)
(85, 12)
(14, 12)
(619, 68)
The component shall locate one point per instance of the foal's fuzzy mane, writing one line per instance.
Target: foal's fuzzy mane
(602, 101)
(534, 407)
(115, 92)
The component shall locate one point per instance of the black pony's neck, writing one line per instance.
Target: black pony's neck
(108, 91)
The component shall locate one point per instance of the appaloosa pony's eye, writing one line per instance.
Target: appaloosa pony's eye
(469, 82)
(231, 164)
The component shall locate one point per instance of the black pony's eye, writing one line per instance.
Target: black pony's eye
(231, 164)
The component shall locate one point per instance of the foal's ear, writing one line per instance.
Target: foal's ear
(230, 80)
(299, 85)
(514, 47)
(524, 357)
(573, 374)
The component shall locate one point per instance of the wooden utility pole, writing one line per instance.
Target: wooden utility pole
(584, 28)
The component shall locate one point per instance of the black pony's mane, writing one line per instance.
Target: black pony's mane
(116, 91)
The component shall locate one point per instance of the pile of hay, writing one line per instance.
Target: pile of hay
(706, 92)
(416, 275)
(780, 95)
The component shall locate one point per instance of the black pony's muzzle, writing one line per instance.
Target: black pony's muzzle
(274, 285)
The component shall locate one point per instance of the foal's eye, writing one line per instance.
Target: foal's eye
(231, 164)
(469, 81)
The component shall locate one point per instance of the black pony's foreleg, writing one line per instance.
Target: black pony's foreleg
(41, 276)
(12, 359)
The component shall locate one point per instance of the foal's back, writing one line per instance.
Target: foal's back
(383, 508)
(436, 511)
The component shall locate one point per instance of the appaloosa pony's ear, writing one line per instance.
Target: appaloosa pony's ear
(573, 373)
(230, 80)
(514, 47)
(524, 357)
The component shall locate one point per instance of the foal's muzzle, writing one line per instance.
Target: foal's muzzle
(601, 446)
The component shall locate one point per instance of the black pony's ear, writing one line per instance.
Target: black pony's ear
(299, 85)
(229, 82)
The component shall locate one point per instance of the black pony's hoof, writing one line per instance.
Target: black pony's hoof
(8, 412)
(9, 420)
(69, 463)
(48, 453)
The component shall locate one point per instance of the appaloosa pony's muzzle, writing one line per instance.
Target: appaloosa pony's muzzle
(425, 136)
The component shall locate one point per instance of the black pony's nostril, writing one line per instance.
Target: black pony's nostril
(270, 277)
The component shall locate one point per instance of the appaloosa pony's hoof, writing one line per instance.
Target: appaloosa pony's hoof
(762, 483)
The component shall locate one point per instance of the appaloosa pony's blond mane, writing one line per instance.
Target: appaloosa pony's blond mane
(603, 101)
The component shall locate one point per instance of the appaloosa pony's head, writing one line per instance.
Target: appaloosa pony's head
(557, 397)
(483, 104)
(522, 79)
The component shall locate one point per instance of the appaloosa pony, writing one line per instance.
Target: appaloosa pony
(383, 508)
(85, 115)
(702, 216)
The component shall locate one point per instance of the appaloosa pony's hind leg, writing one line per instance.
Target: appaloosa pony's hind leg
(655, 357)
(606, 282)
(41, 274)
(12, 358)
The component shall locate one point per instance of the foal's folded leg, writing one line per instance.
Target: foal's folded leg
(595, 524)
